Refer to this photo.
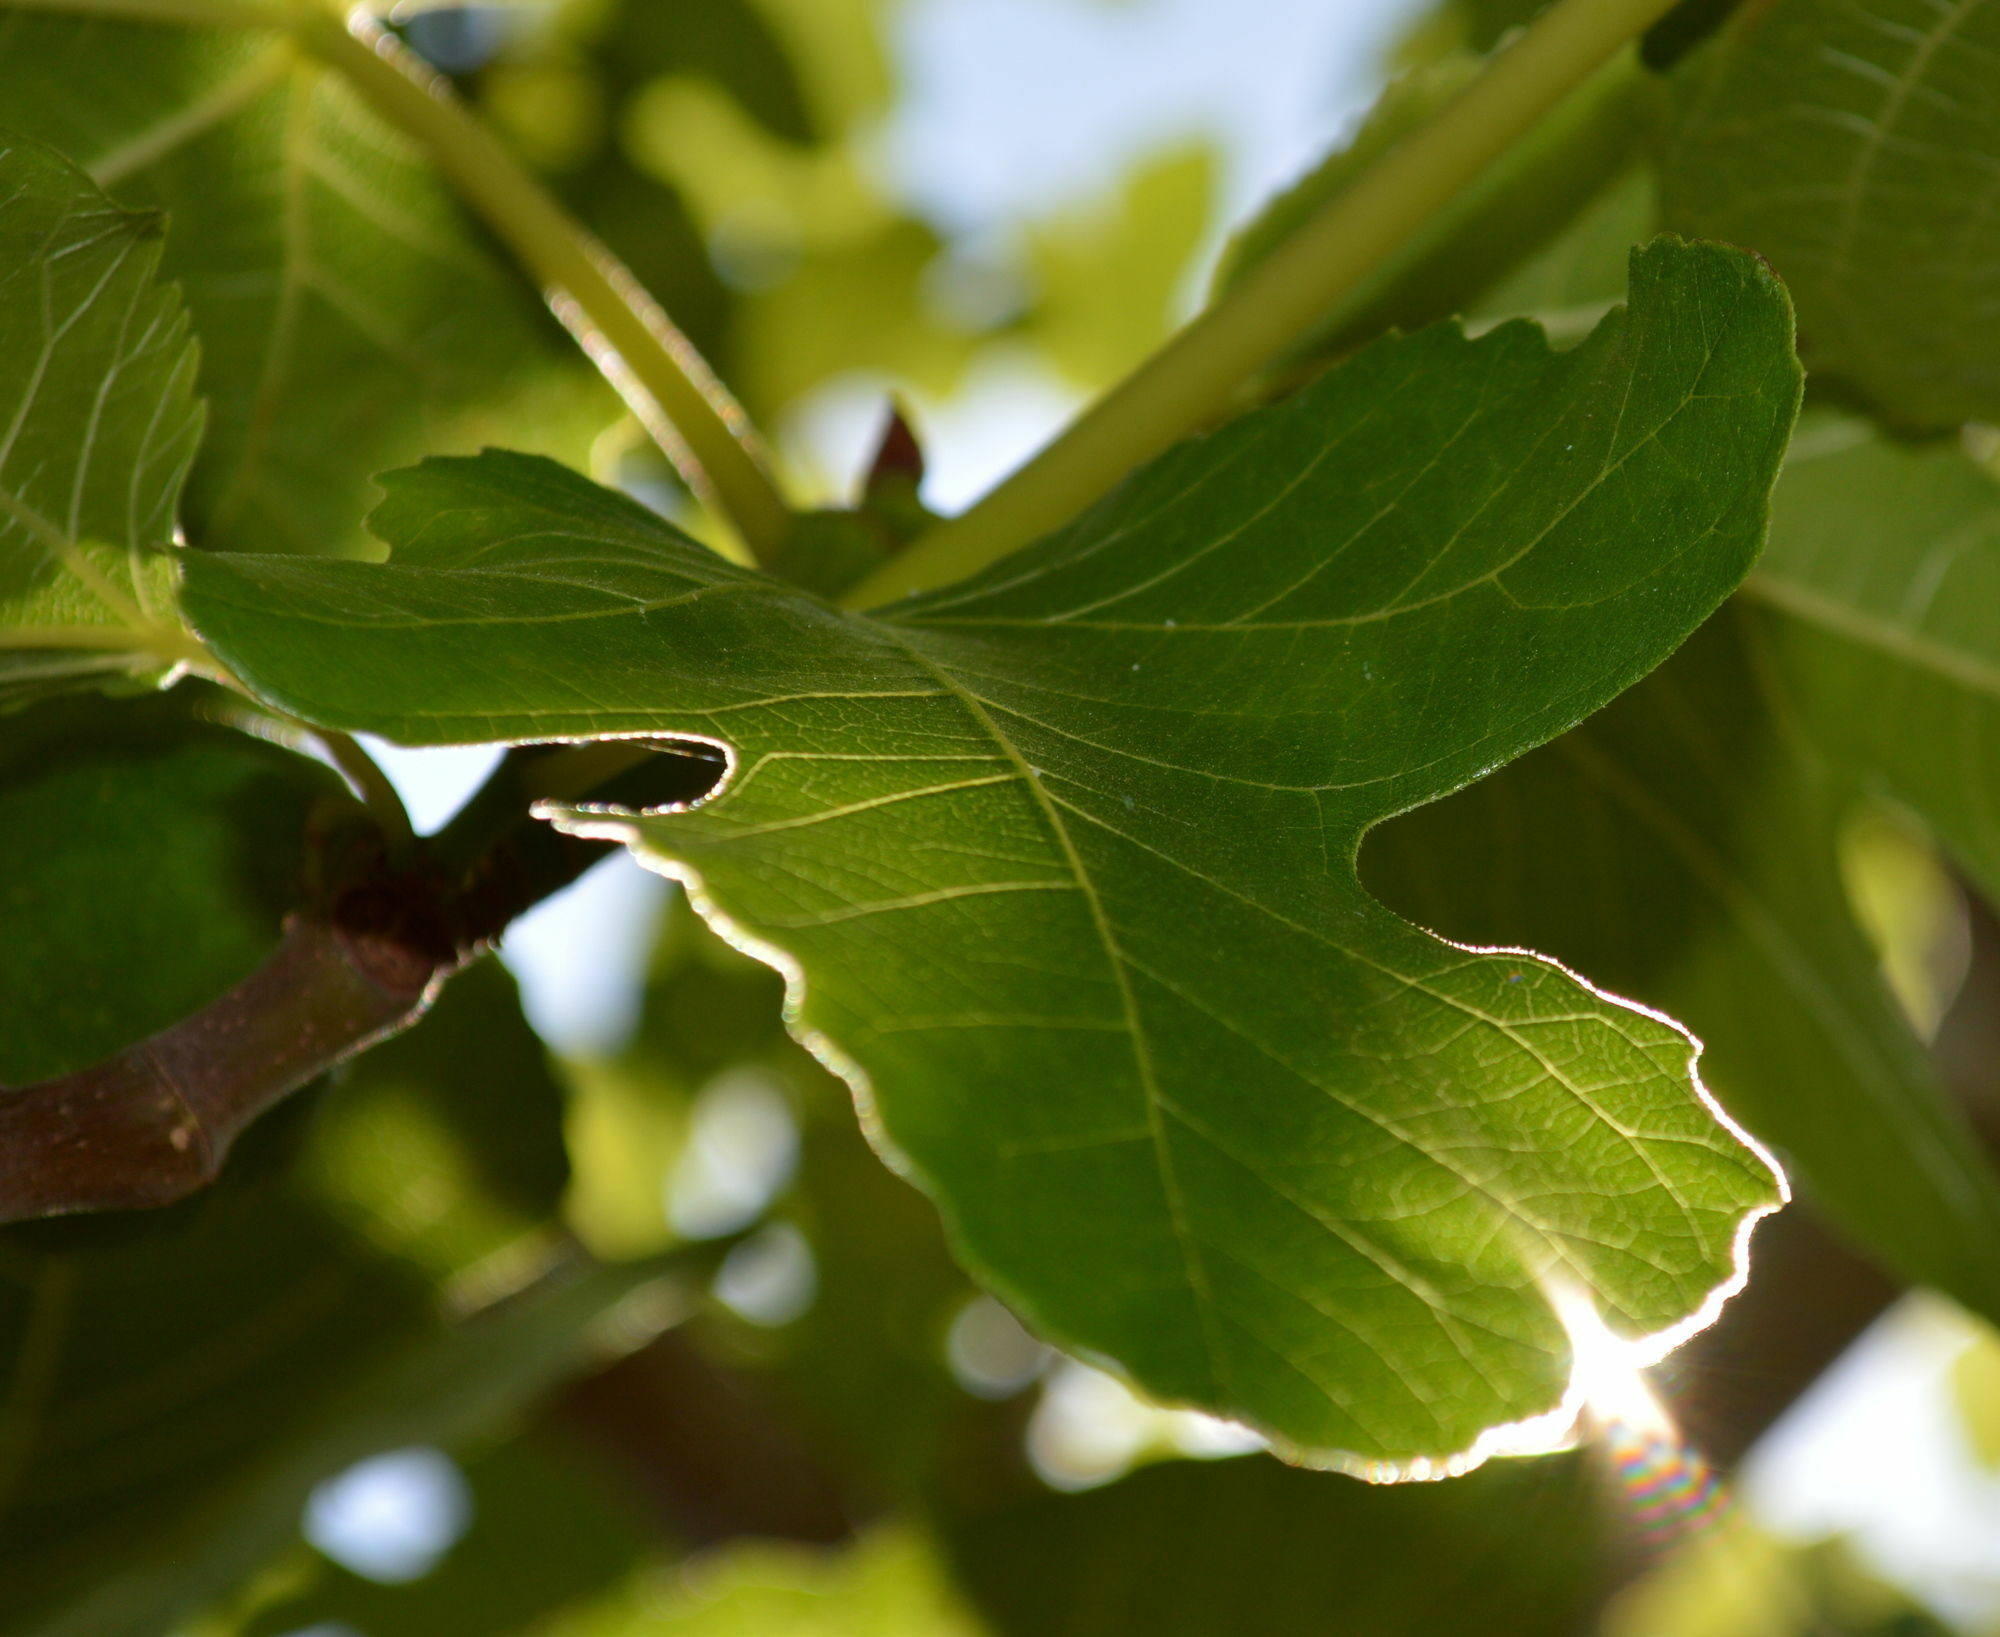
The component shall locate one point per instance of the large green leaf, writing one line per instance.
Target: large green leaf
(1857, 146)
(1681, 848)
(348, 319)
(1885, 565)
(98, 422)
(1060, 861)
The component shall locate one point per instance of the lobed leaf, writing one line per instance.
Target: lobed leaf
(1060, 861)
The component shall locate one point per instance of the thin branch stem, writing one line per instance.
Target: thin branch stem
(665, 381)
(1190, 380)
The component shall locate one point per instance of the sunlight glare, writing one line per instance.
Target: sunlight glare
(1664, 1481)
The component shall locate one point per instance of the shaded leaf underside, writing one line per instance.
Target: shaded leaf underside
(1064, 857)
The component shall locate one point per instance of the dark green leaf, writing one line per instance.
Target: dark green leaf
(1061, 859)
(545, 1531)
(348, 319)
(359, 1373)
(446, 1144)
(155, 856)
(152, 1363)
(1190, 1549)
(1855, 145)
(98, 422)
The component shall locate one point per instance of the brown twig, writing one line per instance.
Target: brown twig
(387, 926)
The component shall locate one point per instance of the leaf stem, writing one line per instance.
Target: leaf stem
(1190, 380)
(654, 367)
(370, 783)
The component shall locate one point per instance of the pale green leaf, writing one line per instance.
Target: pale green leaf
(1975, 1381)
(98, 422)
(1060, 861)
(1858, 147)
(886, 1582)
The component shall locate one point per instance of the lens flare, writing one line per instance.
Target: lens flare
(1669, 1489)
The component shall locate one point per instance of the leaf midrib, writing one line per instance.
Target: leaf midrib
(1193, 1268)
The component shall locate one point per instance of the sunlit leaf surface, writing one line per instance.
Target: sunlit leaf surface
(1681, 848)
(1061, 859)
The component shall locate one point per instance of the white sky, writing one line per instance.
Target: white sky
(1017, 106)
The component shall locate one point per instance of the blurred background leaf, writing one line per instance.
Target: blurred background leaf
(348, 317)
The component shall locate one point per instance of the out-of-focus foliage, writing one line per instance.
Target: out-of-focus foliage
(727, 152)
(546, 1531)
(887, 1582)
(1184, 1548)
(378, 1265)
(1739, 1582)
(1564, 167)
(348, 318)
(1853, 145)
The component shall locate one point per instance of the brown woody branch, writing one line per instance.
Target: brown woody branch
(388, 925)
